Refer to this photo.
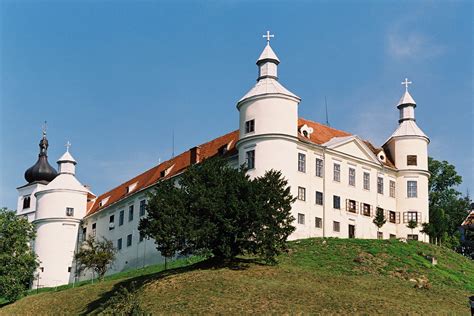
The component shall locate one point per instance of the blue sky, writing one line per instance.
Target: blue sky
(117, 77)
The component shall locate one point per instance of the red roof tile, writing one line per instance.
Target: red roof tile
(321, 134)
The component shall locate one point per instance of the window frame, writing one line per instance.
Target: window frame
(301, 218)
(250, 159)
(336, 198)
(121, 217)
(70, 211)
(26, 202)
(336, 226)
(392, 187)
(336, 172)
(412, 160)
(318, 222)
(319, 168)
(129, 240)
(142, 208)
(380, 185)
(250, 126)
(131, 211)
(301, 193)
(119, 244)
(319, 198)
(366, 180)
(412, 189)
(352, 176)
(302, 162)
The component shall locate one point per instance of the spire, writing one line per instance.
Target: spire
(66, 163)
(41, 170)
(268, 61)
(406, 105)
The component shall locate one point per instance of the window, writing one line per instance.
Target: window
(336, 201)
(130, 213)
(393, 236)
(411, 160)
(351, 206)
(380, 185)
(336, 226)
(141, 237)
(318, 222)
(300, 218)
(319, 167)
(68, 269)
(121, 216)
(412, 237)
(392, 217)
(366, 209)
(411, 216)
(142, 207)
(337, 172)
(84, 233)
(301, 162)
(392, 188)
(119, 244)
(111, 222)
(42, 269)
(129, 240)
(412, 190)
(249, 126)
(301, 194)
(93, 229)
(379, 235)
(26, 201)
(352, 177)
(250, 159)
(69, 211)
(366, 181)
(319, 198)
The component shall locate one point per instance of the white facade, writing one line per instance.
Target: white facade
(339, 179)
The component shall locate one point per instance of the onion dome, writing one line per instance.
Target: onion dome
(41, 170)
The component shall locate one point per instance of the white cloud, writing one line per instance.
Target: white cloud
(413, 45)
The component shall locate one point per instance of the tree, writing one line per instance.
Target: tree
(219, 210)
(17, 260)
(412, 225)
(379, 219)
(96, 255)
(446, 206)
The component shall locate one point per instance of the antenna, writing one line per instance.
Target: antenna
(327, 116)
(172, 144)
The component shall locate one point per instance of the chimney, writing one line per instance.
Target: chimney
(195, 155)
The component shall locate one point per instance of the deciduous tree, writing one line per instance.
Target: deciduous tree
(17, 260)
(96, 255)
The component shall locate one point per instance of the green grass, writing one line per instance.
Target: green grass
(314, 276)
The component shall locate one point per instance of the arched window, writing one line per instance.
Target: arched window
(26, 201)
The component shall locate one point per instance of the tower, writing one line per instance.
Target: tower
(37, 176)
(60, 207)
(268, 120)
(408, 147)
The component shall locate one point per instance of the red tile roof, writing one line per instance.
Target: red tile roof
(176, 165)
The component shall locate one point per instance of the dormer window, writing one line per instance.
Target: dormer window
(26, 202)
(306, 131)
(131, 187)
(104, 201)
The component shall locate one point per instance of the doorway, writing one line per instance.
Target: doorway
(352, 230)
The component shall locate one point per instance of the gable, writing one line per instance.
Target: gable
(352, 146)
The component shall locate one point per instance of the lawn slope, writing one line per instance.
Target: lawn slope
(315, 275)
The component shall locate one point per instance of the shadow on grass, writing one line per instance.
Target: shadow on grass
(137, 283)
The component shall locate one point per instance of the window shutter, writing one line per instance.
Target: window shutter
(357, 207)
(397, 217)
(347, 204)
(418, 217)
(405, 217)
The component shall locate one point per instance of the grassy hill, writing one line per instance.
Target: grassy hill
(315, 275)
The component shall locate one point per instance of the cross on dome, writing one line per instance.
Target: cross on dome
(406, 83)
(268, 36)
(68, 144)
(43, 128)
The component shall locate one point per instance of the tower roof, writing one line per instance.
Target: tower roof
(41, 170)
(67, 157)
(406, 99)
(268, 55)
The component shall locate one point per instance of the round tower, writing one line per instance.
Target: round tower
(268, 120)
(408, 147)
(61, 205)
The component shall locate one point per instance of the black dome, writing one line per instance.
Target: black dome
(41, 170)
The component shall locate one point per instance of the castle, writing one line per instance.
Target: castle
(339, 179)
